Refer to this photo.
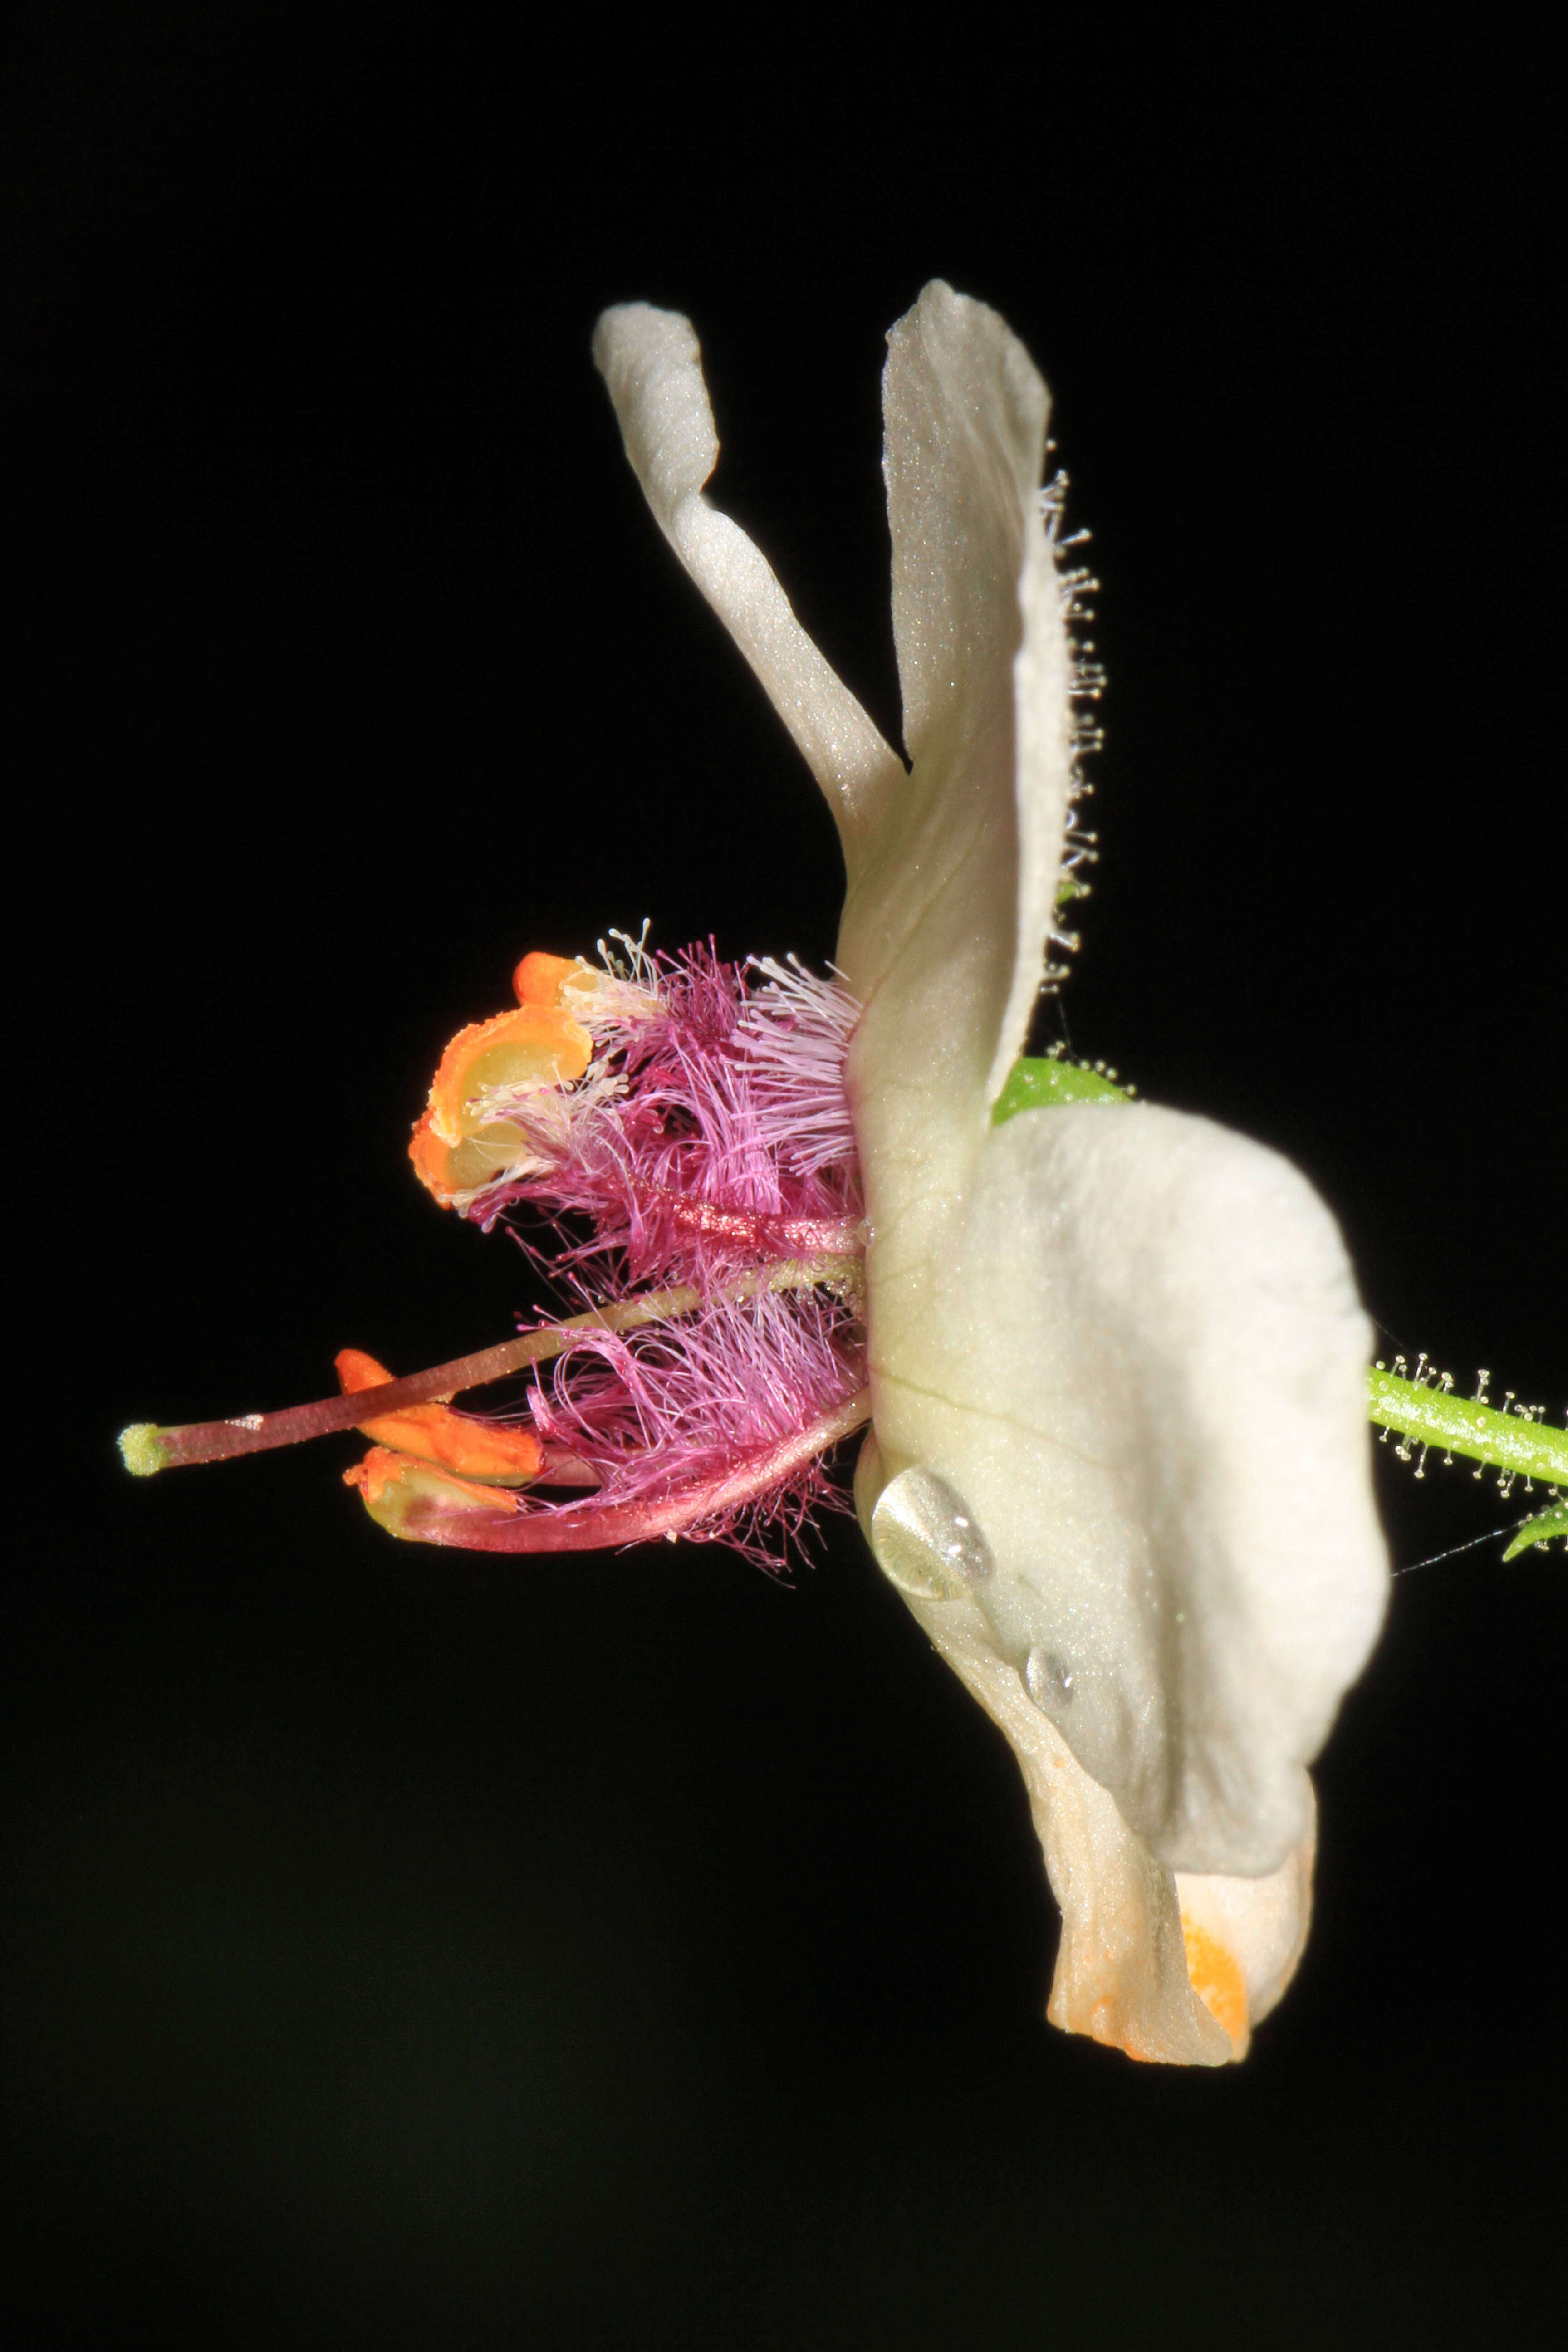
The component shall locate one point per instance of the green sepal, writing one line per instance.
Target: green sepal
(1045, 1084)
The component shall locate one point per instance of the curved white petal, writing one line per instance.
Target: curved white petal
(1120, 1974)
(1119, 1467)
(650, 362)
(1132, 1349)
(1244, 1937)
(946, 921)
(1164, 1965)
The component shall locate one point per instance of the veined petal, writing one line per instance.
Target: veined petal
(650, 362)
(947, 917)
(1135, 1353)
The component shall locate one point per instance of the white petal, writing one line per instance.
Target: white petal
(1245, 1935)
(650, 361)
(1135, 1351)
(1120, 1974)
(949, 907)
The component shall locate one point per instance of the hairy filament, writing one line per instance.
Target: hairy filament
(759, 1231)
(594, 1526)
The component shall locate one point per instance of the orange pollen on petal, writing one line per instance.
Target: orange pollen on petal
(1216, 1980)
(433, 1432)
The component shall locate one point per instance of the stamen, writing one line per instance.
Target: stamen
(692, 1115)
(758, 1231)
(595, 1526)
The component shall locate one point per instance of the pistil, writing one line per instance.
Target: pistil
(147, 1448)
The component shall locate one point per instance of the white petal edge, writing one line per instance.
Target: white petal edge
(651, 364)
(984, 664)
(1120, 1974)
(1166, 1965)
(1135, 1352)
(1245, 1937)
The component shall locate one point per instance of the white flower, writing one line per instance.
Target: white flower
(1119, 1465)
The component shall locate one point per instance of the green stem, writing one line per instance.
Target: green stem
(1507, 1441)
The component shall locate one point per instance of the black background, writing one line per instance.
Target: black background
(405, 1948)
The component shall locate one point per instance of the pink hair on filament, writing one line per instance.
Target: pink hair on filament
(710, 1134)
(710, 1140)
(675, 1409)
(713, 1426)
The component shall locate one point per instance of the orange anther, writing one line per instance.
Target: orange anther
(357, 1370)
(539, 978)
(397, 1490)
(432, 1161)
(474, 1449)
(535, 1046)
(464, 1140)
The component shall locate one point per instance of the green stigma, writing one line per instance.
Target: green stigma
(141, 1449)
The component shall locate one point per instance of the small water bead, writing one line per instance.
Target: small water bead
(1048, 1680)
(926, 1539)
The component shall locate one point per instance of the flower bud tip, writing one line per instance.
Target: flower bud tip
(142, 1448)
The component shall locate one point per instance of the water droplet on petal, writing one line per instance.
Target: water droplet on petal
(1050, 1681)
(926, 1539)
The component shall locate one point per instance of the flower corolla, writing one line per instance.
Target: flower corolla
(1107, 1358)
(1119, 1463)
